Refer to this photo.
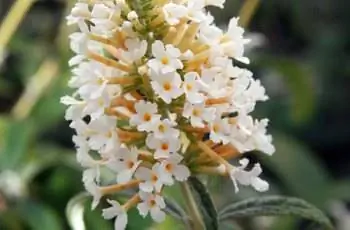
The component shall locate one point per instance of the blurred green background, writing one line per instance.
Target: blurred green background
(300, 50)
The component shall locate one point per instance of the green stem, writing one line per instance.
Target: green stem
(192, 208)
(247, 11)
(12, 21)
(37, 85)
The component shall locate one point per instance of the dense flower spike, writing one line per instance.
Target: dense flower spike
(158, 98)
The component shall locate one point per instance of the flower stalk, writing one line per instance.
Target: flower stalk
(192, 208)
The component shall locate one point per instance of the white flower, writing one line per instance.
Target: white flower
(80, 141)
(151, 178)
(217, 3)
(82, 130)
(127, 27)
(96, 107)
(94, 88)
(125, 164)
(246, 91)
(80, 72)
(101, 18)
(89, 180)
(117, 211)
(210, 34)
(187, 55)
(84, 158)
(146, 115)
(213, 83)
(174, 12)
(195, 10)
(103, 135)
(80, 10)
(191, 87)
(79, 42)
(163, 129)
(163, 147)
(153, 204)
(219, 130)
(132, 15)
(167, 86)
(261, 140)
(79, 13)
(198, 113)
(256, 92)
(136, 50)
(91, 79)
(166, 58)
(247, 135)
(235, 48)
(251, 177)
(100, 11)
(173, 168)
(76, 108)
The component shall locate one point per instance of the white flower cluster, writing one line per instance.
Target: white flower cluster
(149, 75)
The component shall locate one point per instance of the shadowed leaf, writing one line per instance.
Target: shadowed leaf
(176, 211)
(207, 206)
(16, 142)
(39, 216)
(274, 206)
(299, 170)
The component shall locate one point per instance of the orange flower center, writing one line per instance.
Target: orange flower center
(196, 112)
(165, 60)
(216, 128)
(130, 164)
(100, 102)
(169, 167)
(100, 81)
(152, 203)
(167, 86)
(164, 146)
(189, 87)
(161, 128)
(147, 117)
(154, 178)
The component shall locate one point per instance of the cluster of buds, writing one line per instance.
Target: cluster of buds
(158, 99)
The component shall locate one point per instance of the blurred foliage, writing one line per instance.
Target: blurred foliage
(303, 61)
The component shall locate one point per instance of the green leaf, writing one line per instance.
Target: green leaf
(39, 216)
(75, 211)
(48, 111)
(298, 80)
(95, 221)
(175, 210)
(16, 141)
(299, 170)
(10, 219)
(285, 223)
(4, 123)
(46, 156)
(229, 226)
(136, 222)
(168, 224)
(340, 190)
(207, 206)
(274, 206)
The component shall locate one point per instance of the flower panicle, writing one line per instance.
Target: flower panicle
(158, 97)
